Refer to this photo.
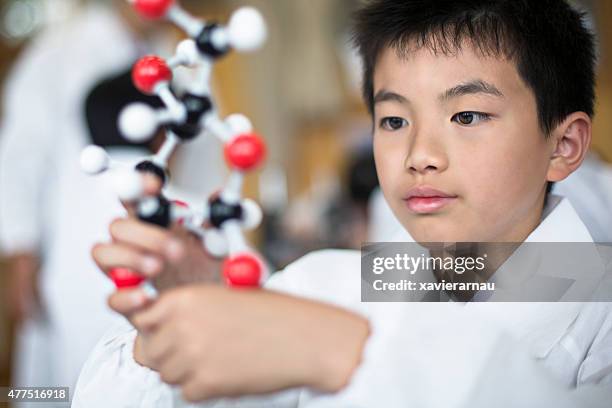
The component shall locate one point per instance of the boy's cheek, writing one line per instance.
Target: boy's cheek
(492, 187)
(390, 165)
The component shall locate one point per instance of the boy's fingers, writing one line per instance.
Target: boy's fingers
(150, 238)
(175, 370)
(151, 317)
(109, 256)
(128, 301)
(160, 343)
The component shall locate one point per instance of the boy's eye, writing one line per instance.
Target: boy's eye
(393, 123)
(470, 118)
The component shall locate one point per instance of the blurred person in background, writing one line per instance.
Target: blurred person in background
(65, 92)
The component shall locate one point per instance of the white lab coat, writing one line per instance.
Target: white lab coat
(48, 204)
(419, 354)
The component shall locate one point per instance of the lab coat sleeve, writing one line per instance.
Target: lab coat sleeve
(26, 148)
(455, 362)
(112, 378)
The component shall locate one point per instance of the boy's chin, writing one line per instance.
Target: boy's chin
(426, 233)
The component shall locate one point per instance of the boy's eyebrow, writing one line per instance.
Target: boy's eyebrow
(384, 95)
(470, 88)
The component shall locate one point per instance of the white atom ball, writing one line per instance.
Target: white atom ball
(215, 243)
(239, 123)
(138, 122)
(187, 51)
(251, 213)
(94, 159)
(128, 184)
(246, 29)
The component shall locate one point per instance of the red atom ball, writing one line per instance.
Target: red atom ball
(153, 8)
(245, 151)
(125, 278)
(148, 72)
(242, 270)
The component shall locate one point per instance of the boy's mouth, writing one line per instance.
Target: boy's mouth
(426, 200)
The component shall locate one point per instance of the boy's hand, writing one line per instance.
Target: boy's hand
(169, 257)
(218, 342)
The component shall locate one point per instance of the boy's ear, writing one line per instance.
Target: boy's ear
(571, 140)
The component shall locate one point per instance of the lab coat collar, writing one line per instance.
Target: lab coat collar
(548, 322)
(541, 325)
(560, 223)
(558, 260)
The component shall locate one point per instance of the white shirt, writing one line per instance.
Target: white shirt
(419, 354)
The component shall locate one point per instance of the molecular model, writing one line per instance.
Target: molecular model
(183, 118)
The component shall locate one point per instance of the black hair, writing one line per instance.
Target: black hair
(548, 40)
(104, 103)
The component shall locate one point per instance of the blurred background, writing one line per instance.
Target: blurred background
(301, 91)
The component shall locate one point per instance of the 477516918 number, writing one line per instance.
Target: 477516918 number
(34, 394)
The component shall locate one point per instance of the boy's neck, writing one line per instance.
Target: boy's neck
(521, 229)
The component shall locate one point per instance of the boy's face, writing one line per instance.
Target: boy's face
(459, 151)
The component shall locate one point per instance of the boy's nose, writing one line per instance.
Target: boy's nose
(425, 155)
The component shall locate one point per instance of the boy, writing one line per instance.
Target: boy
(477, 106)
